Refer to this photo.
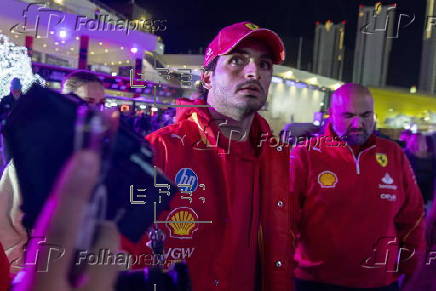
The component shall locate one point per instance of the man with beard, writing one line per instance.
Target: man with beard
(360, 218)
(231, 221)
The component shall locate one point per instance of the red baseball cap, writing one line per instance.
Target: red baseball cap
(230, 36)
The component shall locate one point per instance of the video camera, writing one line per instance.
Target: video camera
(45, 129)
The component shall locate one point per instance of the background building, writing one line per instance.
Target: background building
(427, 78)
(328, 50)
(375, 32)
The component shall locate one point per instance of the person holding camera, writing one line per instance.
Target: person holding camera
(13, 236)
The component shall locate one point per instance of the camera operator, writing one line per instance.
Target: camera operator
(13, 236)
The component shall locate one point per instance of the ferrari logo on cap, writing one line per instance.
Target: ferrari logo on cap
(382, 159)
(327, 179)
(251, 26)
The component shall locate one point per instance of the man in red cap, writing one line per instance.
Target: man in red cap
(231, 221)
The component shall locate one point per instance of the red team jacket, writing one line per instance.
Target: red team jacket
(242, 191)
(355, 213)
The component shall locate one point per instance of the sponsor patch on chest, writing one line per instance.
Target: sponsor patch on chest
(327, 179)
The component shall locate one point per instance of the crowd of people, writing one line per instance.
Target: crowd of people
(145, 122)
(346, 210)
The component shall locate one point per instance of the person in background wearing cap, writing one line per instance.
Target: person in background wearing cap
(360, 212)
(7, 104)
(232, 180)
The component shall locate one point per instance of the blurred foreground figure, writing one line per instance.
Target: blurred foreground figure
(360, 223)
(13, 236)
(59, 224)
(231, 222)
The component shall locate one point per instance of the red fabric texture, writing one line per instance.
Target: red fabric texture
(355, 212)
(242, 184)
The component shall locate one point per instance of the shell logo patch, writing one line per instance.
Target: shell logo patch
(251, 26)
(327, 179)
(382, 159)
(182, 222)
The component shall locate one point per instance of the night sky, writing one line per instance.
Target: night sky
(193, 24)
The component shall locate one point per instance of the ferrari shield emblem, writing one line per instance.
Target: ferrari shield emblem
(251, 26)
(382, 159)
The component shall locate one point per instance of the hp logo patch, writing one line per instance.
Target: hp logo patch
(187, 176)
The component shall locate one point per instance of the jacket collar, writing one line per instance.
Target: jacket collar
(209, 130)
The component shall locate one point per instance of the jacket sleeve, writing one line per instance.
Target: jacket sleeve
(410, 221)
(297, 186)
(12, 234)
(160, 153)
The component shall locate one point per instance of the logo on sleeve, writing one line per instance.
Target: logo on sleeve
(327, 179)
(187, 176)
(382, 159)
(182, 222)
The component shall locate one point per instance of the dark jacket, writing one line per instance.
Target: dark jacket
(6, 105)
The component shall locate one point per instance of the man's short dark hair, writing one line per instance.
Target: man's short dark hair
(212, 65)
(203, 92)
(77, 79)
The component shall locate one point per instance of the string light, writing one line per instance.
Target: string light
(15, 63)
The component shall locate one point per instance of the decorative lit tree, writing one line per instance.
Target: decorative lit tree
(15, 63)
